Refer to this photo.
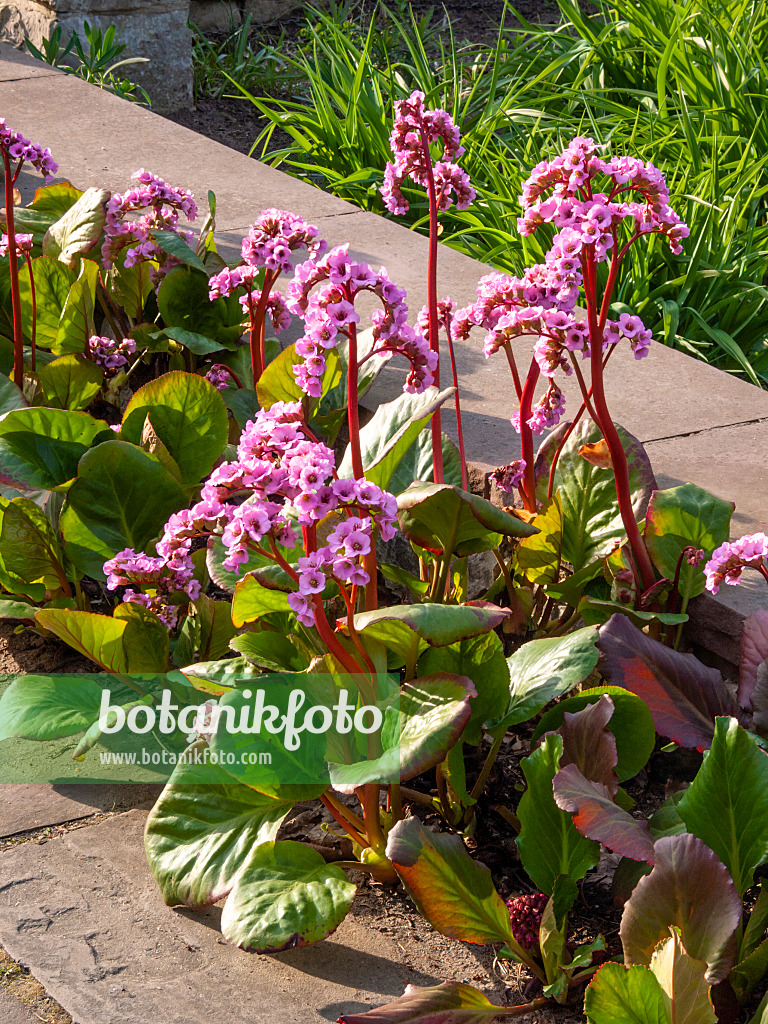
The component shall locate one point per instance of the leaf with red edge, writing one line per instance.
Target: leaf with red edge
(754, 651)
(453, 892)
(589, 745)
(690, 888)
(449, 1003)
(685, 697)
(596, 815)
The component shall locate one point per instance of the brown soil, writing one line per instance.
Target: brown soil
(19, 983)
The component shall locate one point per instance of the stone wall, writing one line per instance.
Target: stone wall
(223, 15)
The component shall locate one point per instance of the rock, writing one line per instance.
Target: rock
(215, 15)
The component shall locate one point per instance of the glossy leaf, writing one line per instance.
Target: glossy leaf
(278, 383)
(631, 724)
(30, 552)
(432, 712)
(189, 417)
(79, 229)
(41, 448)
(682, 981)
(132, 640)
(183, 301)
(541, 670)
(270, 651)
(596, 612)
(252, 601)
(589, 745)
(482, 660)
(592, 524)
(453, 892)
(174, 245)
(440, 517)
(71, 382)
(538, 557)
(597, 816)
(416, 464)
(618, 995)
(76, 324)
(549, 843)
(452, 1002)
(684, 696)
(52, 283)
(10, 396)
(202, 830)
(285, 896)
(130, 286)
(690, 888)
(726, 805)
(216, 629)
(754, 651)
(50, 203)
(391, 431)
(681, 517)
(121, 499)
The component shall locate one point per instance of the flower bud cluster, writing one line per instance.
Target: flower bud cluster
(328, 311)
(164, 203)
(19, 148)
(155, 575)
(415, 129)
(110, 355)
(525, 913)
(728, 561)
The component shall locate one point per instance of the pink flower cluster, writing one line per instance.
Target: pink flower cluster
(728, 561)
(547, 412)
(19, 148)
(588, 217)
(231, 278)
(329, 310)
(525, 914)
(415, 129)
(111, 355)
(508, 477)
(164, 203)
(274, 235)
(155, 574)
(23, 244)
(287, 482)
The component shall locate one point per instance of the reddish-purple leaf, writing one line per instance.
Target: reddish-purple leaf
(754, 651)
(690, 888)
(596, 815)
(449, 1003)
(684, 696)
(589, 745)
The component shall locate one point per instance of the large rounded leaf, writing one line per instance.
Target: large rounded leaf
(203, 828)
(541, 670)
(619, 995)
(437, 1004)
(71, 382)
(690, 888)
(121, 499)
(79, 229)
(440, 517)
(285, 896)
(30, 552)
(184, 302)
(41, 448)
(41, 707)
(132, 640)
(52, 283)
(189, 417)
(592, 525)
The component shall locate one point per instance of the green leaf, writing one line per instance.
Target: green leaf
(173, 244)
(197, 343)
(216, 628)
(189, 417)
(452, 1002)
(52, 283)
(538, 557)
(453, 892)
(407, 630)
(549, 843)
(202, 830)
(682, 980)
(761, 1015)
(285, 896)
(78, 230)
(122, 498)
(17, 610)
(758, 922)
(10, 396)
(431, 714)
(749, 971)
(132, 640)
(482, 660)
(41, 707)
(76, 324)
(631, 724)
(130, 286)
(726, 805)
(595, 612)
(620, 996)
(51, 202)
(592, 525)
(270, 651)
(441, 518)
(252, 601)
(682, 517)
(416, 464)
(541, 670)
(41, 448)
(30, 552)
(692, 890)
(71, 382)
(183, 301)
(391, 432)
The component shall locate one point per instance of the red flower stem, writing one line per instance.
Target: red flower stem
(609, 432)
(528, 491)
(434, 337)
(370, 802)
(10, 230)
(353, 415)
(33, 358)
(355, 637)
(348, 827)
(586, 393)
(258, 320)
(513, 369)
(457, 403)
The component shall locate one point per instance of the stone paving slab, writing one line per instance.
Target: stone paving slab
(12, 1011)
(113, 953)
(23, 66)
(24, 808)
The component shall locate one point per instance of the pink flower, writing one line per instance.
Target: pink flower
(728, 561)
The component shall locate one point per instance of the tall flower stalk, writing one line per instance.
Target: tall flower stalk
(18, 150)
(415, 131)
